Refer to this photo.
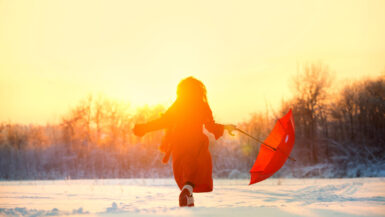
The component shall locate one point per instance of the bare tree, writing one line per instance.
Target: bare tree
(310, 89)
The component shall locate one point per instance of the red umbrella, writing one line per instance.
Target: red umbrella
(274, 150)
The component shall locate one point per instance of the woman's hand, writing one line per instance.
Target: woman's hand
(139, 130)
(230, 128)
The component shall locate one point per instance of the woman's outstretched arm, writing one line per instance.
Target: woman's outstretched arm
(141, 129)
(161, 123)
(215, 128)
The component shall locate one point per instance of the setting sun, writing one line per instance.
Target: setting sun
(55, 53)
(192, 108)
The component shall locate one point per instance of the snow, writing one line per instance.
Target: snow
(158, 197)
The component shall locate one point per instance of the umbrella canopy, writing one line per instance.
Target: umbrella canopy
(275, 150)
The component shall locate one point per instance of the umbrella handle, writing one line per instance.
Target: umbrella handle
(274, 149)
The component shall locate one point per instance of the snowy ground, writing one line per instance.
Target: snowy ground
(158, 197)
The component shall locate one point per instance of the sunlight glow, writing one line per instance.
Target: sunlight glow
(54, 53)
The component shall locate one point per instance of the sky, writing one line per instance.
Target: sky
(55, 53)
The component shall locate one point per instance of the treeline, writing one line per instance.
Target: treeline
(94, 140)
(340, 132)
(340, 127)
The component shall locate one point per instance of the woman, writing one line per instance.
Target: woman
(185, 141)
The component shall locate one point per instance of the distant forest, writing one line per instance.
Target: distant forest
(340, 132)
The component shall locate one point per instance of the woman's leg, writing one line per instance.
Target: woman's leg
(186, 197)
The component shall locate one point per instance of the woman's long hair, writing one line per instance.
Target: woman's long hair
(191, 103)
(191, 90)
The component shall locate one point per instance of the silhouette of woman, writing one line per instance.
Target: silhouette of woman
(184, 139)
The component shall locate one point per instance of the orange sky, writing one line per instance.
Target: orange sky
(54, 53)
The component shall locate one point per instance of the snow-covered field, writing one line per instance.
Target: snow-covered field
(158, 197)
